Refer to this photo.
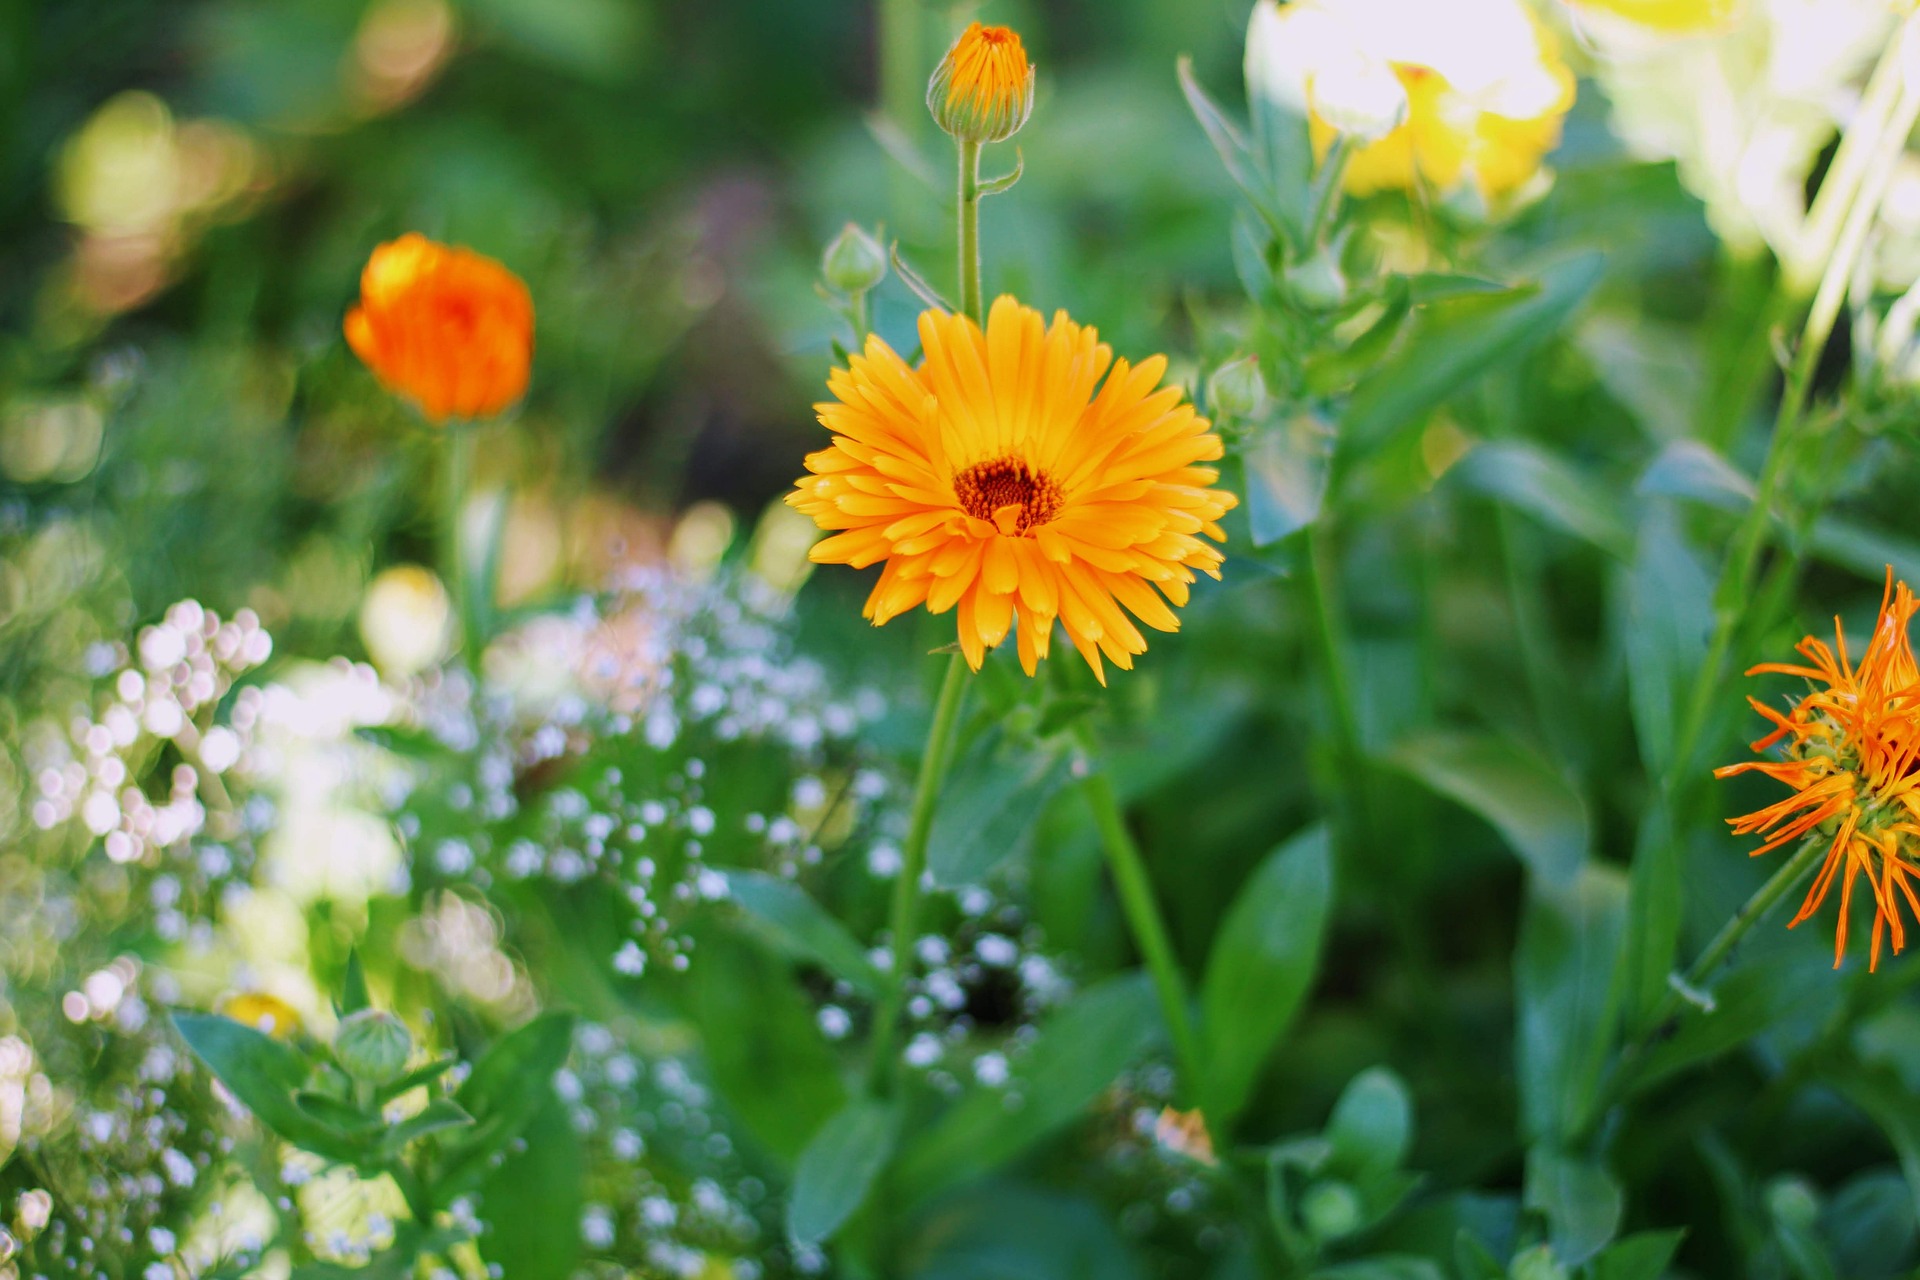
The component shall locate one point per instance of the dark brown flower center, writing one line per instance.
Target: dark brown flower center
(1009, 494)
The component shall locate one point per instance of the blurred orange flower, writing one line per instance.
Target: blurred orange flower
(1852, 747)
(1004, 478)
(448, 328)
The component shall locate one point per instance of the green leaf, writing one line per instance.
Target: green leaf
(1456, 340)
(838, 1167)
(800, 928)
(1650, 945)
(264, 1074)
(1234, 153)
(768, 1058)
(1533, 807)
(1286, 476)
(1894, 1108)
(1668, 616)
(988, 808)
(337, 1112)
(1580, 1200)
(507, 1089)
(1386, 1266)
(1564, 984)
(1078, 1053)
(1757, 994)
(532, 1203)
(1262, 963)
(1473, 1261)
(1371, 1129)
(1642, 1256)
(1866, 550)
(1530, 479)
(437, 1116)
(1009, 1231)
(1692, 470)
(415, 1078)
(353, 988)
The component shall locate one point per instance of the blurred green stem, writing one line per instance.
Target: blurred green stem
(1685, 991)
(913, 861)
(1319, 570)
(902, 86)
(970, 230)
(456, 472)
(1142, 911)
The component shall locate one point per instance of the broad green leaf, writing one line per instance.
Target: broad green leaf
(1865, 550)
(1385, 1266)
(1530, 479)
(338, 1112)
(1641, 1256)
(1580, 1200)
(801, 928)
(1538, 812)
(1891, 1106)
(1454, 341)
(1664, 630)
(1261, 966)
(1473, 1261)
(1009, 1231)
(768, 1058)
(1752, 997)
(838, 1167)
(1692, 470)
(1655, 898)
(1286, 476)
(987, 810)
(1564, 968)
(264, 1074)
(415, 1078)
(532, 1203)
(1231, 146)
(1371, 1128)
(1871, 1223)
(1079, 1052)
(507, 1088)
(1283, 143)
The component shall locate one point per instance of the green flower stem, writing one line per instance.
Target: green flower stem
(913, 860)
(1143, 913)
(1318, 573)
(1680, 994)
(413, 1189)
(970, 303)
(456, 472)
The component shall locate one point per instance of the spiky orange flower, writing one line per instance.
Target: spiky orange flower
(1852, 751)
(448, 328)
(982, 91)
(1004, 479)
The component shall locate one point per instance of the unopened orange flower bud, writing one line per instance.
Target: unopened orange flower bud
(982, 91)
(448, 328)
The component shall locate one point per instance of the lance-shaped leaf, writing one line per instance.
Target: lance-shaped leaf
(838, 1167)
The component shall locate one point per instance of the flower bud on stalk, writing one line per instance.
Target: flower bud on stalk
(1236, 390)
(372, 1046)
(855, 262)
(982, 91)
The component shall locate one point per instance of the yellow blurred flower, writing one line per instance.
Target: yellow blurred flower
(982, 91)
(448, 328)
(1852, 759)
(1002, 478)
(262, 1012)
(1472, 92)
(1676, 16)
(405, 620)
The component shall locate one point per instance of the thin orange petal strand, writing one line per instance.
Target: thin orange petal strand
(1021, 478)
(1852, 750)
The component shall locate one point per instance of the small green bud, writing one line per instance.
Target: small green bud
(1330, 1210)
(1318, 283)
(372, 1046)
(1793, 1201)
(855, 262)
(1537, 1263)
(1236, 390)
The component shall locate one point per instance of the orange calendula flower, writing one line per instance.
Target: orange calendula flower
(1004, 479)
(982, 91)
(448, 328)
(1852, 745)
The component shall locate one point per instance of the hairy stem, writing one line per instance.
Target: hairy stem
(970, 303)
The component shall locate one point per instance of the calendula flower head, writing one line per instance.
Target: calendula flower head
(263, 1012)
(445, 327)
(1473, 91)
(1006, 480)
(1851, 748)
(982, 91)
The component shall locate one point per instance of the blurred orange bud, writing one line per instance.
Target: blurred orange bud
(448, 328)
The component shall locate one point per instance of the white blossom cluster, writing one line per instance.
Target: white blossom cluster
(166, 693)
